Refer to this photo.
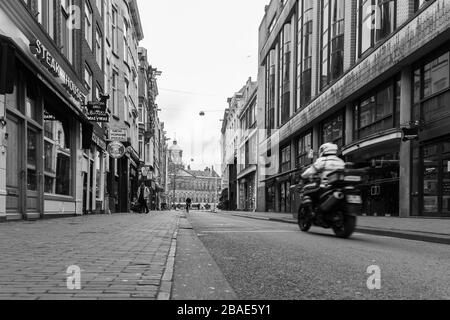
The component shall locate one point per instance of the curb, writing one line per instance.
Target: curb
(372, 231)
(165, 289)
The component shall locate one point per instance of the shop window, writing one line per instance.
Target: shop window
(31, 101)
(57, 157)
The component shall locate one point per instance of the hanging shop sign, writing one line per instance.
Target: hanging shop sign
(120, 135)
(99, 141)
(116, 150)
(96, 111)
(50, 63)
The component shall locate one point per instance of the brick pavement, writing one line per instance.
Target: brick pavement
(121, 256)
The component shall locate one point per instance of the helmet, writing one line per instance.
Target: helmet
(328, 149)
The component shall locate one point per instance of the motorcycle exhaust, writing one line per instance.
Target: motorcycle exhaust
(332, 201)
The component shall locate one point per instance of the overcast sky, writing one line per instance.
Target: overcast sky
(206, 49)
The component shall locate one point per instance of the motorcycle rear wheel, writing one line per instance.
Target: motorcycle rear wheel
(347, 228)
(304, 221)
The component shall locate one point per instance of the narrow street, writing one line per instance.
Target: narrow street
(253, 259)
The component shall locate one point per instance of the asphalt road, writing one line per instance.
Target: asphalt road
(271, 260)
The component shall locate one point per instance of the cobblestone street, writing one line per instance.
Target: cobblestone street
(121, 256)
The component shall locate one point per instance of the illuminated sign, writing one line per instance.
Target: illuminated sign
(49, 62)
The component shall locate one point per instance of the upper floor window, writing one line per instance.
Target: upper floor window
(307, 47)
(286, 159)
(99, 48)
(88, 32)
(378, 112)
(376, 21)
(418, 4)
(45, 16)
(88, 82)
(285, 74)
(270, 91)
(304, 147)
(332, 40)
(66, 30)
(431, 89)
(333, 129)
(114, 30)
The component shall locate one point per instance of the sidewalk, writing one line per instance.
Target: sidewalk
(429, 230)
(121, 256)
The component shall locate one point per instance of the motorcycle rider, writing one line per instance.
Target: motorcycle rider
(327, 162)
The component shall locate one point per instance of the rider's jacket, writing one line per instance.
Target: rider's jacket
(324, 166)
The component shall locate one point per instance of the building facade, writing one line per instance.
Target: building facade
(123, 30)
(202, 187)
(229, 146)
(247, 150)
(361, 74)
(44, 131)
(152, 138)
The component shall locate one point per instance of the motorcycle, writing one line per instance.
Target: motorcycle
(334, 206)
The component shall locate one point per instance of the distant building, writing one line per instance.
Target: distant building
(200, 186)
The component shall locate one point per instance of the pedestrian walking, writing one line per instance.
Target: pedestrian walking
(143, 194)
(188, 204)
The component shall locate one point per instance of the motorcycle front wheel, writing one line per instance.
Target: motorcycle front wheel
(304, 220)
(346, 229)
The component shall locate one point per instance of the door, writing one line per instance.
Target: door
(14, 172)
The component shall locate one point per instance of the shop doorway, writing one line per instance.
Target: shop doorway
(24, 176)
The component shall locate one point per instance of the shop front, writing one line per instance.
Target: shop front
(247, 192)
(43, 126)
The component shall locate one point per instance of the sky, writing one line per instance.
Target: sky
(206, 50)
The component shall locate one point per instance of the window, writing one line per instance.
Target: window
(45, 16)
(377, 20)
(115, 97)
(57, 156)
(88, 24)
(378, 112)
(115, 31)
(141, 147)
(431, 89)
(304, 147)
(66, 30)
(285, 75)
(270, 92)
(333, 130)
(125, 40)
(332, 40)
(307, 46)
(126, 104)
(286, 159)
(98, 4)
(141, 113)
(418, 4)
(99, 48)
(88, 82)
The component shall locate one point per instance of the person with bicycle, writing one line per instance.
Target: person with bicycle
(188, 204)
